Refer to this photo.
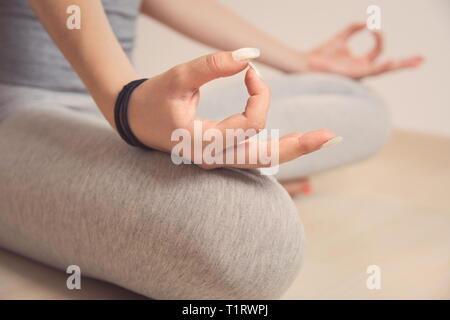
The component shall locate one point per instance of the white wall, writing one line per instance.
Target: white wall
(420, 99)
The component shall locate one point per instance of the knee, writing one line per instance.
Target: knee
(253, 248)
(376, 121)
(365, 116)
(367, 113)
(240, 237)
(365, 123)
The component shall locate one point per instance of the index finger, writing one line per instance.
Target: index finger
(255, 114)
(351, 30)
(378, 47)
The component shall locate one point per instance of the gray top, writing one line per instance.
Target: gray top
(29, 57)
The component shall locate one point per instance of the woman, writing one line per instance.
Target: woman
(73, 193)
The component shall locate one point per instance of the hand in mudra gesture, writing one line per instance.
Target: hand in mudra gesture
(169, 102)
(335, 56)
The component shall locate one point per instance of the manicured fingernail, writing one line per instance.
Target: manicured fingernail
(252, 65)
(307, 190)
(332, 142)
(245, 54)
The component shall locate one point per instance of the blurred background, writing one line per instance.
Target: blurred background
(392, 210)
(420, 99)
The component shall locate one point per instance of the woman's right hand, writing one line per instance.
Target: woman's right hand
(169, 101)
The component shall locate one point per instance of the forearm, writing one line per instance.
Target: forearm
(93, 51)
(209, 22)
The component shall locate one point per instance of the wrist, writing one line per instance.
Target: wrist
(106, 95)
(296, 62)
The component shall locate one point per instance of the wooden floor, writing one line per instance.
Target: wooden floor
(392, 211)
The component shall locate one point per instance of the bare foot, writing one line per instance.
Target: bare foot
(297, 186)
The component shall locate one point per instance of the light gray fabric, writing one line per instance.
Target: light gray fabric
(307, 102)
(72, 192)
(29, 57)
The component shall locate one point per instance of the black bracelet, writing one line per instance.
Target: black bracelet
(121, 114)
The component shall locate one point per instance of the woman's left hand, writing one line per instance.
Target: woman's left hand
(334, 56)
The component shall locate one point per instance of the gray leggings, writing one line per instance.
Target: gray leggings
(72, 193)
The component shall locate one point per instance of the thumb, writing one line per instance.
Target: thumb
(194, 74)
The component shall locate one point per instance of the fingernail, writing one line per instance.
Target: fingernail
(245, 54)
(332, 142)
(252, 65)
(307, 190)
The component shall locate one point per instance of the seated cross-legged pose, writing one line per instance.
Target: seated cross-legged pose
(72, 192)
